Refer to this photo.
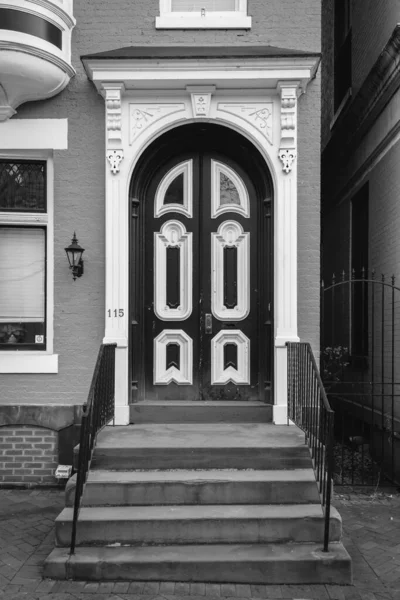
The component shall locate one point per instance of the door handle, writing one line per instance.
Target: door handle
(208, 323)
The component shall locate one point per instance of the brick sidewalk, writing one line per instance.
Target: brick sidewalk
(371, 535)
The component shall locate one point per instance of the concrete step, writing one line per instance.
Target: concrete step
(258, 563)
(207, 524)
(175, 411)
(201, 446)
(143, 488)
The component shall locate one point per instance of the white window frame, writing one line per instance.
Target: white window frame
(35, 139)
(32, 361)
(237, 19)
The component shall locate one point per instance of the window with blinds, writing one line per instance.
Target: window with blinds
(22, 281)
(207, 5)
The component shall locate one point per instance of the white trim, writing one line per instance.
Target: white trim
(230, 234)
(251, 74)
(23, 218)
(185, 168)
(222, 376)
(210, 21)
(32, 361)
(34, 134)
(279, 415)
(235, 19)
(173, 234)
(181, 376)
(121, 414)
(242, 82)
(22, 362)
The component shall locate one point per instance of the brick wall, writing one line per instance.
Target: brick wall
(28, 455)
(384, 218)
(373, 22)
(327, 106)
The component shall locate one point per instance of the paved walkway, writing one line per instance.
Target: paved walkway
(371, 535)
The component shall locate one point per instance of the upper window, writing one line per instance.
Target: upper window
(203, 14)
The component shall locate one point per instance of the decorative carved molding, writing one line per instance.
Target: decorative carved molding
(217, 209)
(185, 168)
(201, 104)
(115, 157)
(222, 376)
(114, 114)
(201, 99)
(287, 157)
(259, 114)
(230, 234)
(288, 143)
(143, 115)
(173, 234)
(112, 93)
(181, 376)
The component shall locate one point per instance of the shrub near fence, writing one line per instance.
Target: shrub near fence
(360, 362)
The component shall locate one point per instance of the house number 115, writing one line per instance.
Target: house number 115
(117, 312)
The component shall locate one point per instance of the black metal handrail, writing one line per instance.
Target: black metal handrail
(309, 409)
(97, 412)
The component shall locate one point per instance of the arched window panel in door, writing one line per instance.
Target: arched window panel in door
(175, 191)
(173, 266)
(230, 277)
(228, 191)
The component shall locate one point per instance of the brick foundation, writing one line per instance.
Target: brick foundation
(28, 455)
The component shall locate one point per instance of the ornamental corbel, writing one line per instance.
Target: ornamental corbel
(113, 100)
(288, 144)
(115, 158)
(201, 99)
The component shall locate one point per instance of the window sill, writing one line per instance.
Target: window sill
(342, 105)
(236, 21)
(28, 362)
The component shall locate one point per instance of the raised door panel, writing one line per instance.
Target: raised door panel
(170, 283)
(229, 271)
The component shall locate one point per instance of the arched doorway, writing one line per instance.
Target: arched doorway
(201, 261)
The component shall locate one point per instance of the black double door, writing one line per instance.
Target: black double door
(201, 281)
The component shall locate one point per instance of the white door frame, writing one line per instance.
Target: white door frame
(146, 99)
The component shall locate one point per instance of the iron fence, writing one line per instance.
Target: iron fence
(360, 362)
(309, 409)
(97, 412)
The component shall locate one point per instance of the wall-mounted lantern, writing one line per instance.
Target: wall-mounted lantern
(74, 254)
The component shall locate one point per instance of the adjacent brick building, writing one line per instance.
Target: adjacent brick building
(360, 212)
